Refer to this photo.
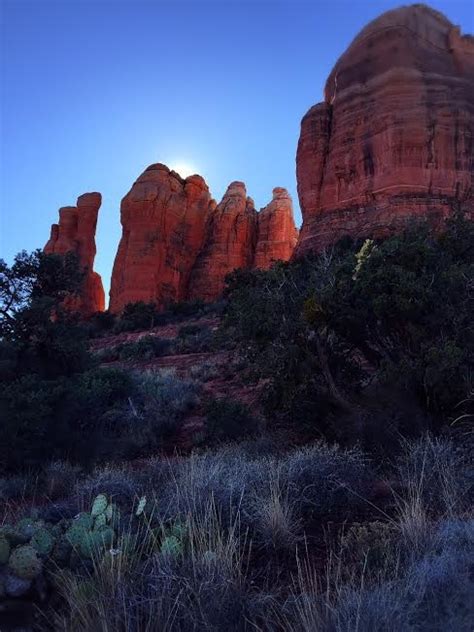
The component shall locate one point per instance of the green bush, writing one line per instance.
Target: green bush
(146, 348)
(396, 313)
(100, 323)
(186, 308)
(194, 339)
(227, 419)
(137, 316)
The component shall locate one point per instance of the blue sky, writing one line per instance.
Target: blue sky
(92, 92)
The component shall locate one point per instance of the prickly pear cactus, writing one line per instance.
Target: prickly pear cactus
(25, 563)
(26, 527)
(84, 520)
(110, 511)
(76, 534)
(4, 550)
(95, 541)
(100, 521)
(141, 506)
(171, 546)
(42, 541)
(99, 505)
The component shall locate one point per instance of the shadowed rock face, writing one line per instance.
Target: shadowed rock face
(393, 138)
(277, 233)
(178, 244)
(76, 233)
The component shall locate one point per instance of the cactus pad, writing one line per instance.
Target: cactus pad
(141, 506)
(25, 563)
(84, 520)
(99, 505)
(76, 534)
(100, 521)
(42, 541)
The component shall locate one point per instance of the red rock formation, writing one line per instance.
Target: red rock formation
(163, 219)
(393, 138)
(231, 236)
(76, 233)
(177, 244)
(277, 233)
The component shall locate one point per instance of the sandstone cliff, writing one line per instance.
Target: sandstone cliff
(76, 233)
(277, 233)
(163, 219)
(178, 244)
(393, 138)
(231, 236)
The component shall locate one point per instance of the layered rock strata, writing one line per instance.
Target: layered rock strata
(393, 138)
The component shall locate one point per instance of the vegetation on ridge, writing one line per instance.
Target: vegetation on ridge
(153, 493)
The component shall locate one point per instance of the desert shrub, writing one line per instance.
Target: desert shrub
(441, 581)
(188, 330)
(204, 371)
(145, 348)
(226, 478)
(390, 309)
(228, 419)
(275, 517)
(100, 323)
(370, 548)
(165, 395)
(107, 354)
(321, 330)
(32, 428)
(193, 339)
(437, 473)
(186, 308)
(18, 487)
(58, 419)
(117, 483)
(137, 316)
(151, 416)
(325, 479)
(59, 479)
(267, 315)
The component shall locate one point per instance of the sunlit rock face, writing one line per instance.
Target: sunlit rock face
(163, 227)
(76, 233)
(393, 138)
(178, 244)
(231, 236)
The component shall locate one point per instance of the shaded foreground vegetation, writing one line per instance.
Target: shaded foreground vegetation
(342, 500)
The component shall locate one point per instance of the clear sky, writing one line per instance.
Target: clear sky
(94, 91)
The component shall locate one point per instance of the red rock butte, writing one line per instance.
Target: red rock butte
(393, 138)
(76, 233)
(178, 244)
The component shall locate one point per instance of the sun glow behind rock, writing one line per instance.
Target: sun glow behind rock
(184, 169)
